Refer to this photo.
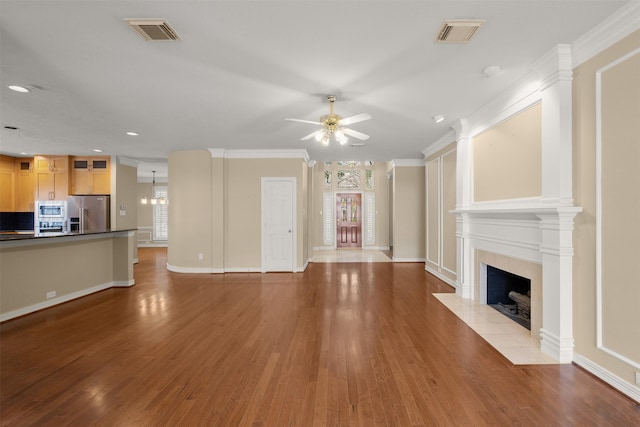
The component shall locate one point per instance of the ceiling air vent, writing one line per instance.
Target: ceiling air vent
(153, 29)
(457, 31)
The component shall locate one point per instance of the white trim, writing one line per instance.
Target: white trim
(560, 349)
(243, 270)
(443, 142)
(445, 279)
(217, 153)
(613, 380)
(178, 269)
(394, 259)
(127, 161)
(124, 283)
(135, 260)
(619, 25)
(407, 163)
(152, 244)
(304, 267)
(525, 94)
(599, 284)
(267, 154)
(438, 161)
(294, 223)
(61, 299)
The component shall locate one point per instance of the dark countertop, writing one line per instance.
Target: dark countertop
(30, 235)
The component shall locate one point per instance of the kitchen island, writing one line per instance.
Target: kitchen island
(37, 272)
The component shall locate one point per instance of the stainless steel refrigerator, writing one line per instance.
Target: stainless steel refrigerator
(87, 214)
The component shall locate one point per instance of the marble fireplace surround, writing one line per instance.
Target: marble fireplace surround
(529, 239)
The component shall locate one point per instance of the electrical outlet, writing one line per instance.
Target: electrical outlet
(638, 378)
(200, 256)
(51, 294)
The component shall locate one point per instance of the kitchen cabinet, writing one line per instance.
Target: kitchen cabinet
(51, 177)
(7, 184)
(91, 175)
(25, 183)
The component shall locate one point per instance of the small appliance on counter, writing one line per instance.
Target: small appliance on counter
(50, 217)
(86, 214)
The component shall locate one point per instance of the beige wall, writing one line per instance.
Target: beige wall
(441, 250)
(409, 213)
(126, 196)
(190, 209)
(507, 162)
(620, 207)
(70, 266)
(215, 210)
(243, 194)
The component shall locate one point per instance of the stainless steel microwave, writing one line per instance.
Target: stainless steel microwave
(55, 209)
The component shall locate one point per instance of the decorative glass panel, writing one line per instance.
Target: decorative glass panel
(368, 179)
(327, 179)
(348, 164)
(348, 179)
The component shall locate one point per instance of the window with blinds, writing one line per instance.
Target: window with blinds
(328, 222)
(369, 218)
(160, 216)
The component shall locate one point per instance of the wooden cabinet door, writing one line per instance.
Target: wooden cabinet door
(24, 185)
(51, 177)
(80, 176)
(100, 176)
(7, 184)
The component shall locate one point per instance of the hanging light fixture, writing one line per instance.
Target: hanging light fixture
(153, 200)
(333, 126)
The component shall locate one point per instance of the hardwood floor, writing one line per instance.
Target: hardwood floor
(341, 344)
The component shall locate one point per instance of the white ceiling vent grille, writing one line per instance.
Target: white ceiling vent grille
(153, 29)
(458, 31)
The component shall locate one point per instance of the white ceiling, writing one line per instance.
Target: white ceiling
(242, 67)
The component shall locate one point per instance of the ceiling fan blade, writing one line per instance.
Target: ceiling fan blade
(354, 119)
(311, 135)
(355, 134)
(304, 121)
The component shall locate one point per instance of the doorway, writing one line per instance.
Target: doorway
(348, 220)
(279, 224)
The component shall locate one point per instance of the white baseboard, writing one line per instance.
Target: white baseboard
(445, 279)
(304, 267)
(152, 244)
(55, 301)
(613, 380)
(243, 270)
(199, 270)
(125, 284)
(394, 259)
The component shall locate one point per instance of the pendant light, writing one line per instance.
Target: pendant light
(153, 200)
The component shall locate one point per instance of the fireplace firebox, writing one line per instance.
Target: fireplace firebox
(510, 294)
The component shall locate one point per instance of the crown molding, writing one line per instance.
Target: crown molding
(619, 25)
(217, 153)
(446, 139)
(407, 163)
(127, 161)
(267, 154)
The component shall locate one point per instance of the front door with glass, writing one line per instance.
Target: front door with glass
(348, 220)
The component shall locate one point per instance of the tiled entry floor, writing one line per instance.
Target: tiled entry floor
(512, 340)
(350, 255)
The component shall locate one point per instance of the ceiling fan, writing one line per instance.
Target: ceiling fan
(333, 126)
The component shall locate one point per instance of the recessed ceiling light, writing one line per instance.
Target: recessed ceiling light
(97, 150)
(491, 70)
(439, 118)
(132, 133)
(20, 89)
(24, 154)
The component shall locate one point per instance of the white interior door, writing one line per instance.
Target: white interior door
(278, 224)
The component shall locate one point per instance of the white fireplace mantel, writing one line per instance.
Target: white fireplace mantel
(529, 230)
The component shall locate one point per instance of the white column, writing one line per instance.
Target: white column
(464, 194)
(555, 70)
(556, 334)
